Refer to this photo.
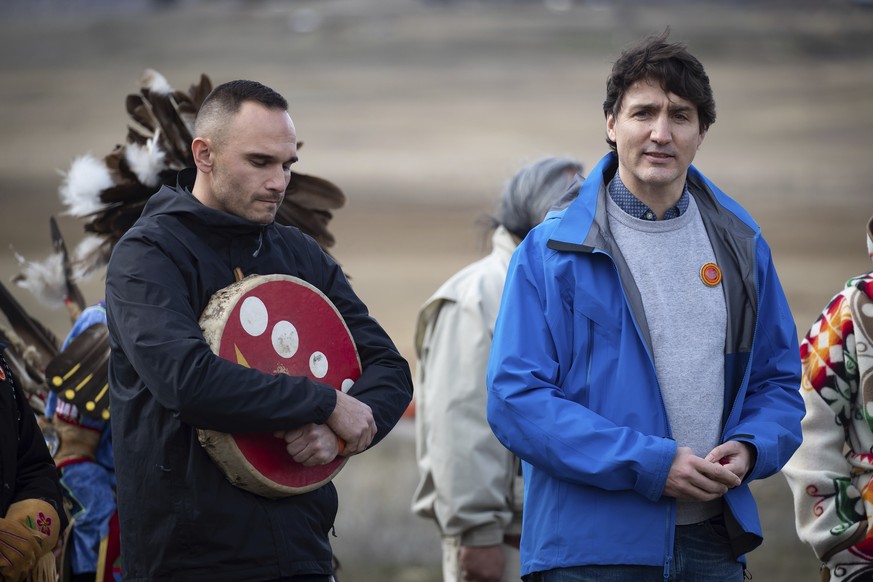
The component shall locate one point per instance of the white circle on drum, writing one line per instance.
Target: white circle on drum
(285, 339)
(318, 364)
(347, 384)
(253, 316)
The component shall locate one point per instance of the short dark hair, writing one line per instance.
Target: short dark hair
(670, 65)
(226, 100)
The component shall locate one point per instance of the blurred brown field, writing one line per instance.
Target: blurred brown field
(420, 111)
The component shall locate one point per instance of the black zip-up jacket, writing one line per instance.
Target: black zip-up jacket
(27, 470)
(180, 518)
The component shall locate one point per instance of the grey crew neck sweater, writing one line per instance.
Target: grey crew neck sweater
(687, 320)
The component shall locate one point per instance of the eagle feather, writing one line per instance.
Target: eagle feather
(146, 161)
(82, 184)
(44, 279)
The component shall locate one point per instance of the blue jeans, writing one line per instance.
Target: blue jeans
(700, 554)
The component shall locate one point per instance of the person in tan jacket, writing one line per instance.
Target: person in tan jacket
(470, 484)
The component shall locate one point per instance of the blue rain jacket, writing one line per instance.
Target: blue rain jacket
(573, 390)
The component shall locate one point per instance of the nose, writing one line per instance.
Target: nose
(278, 179)
(661, 129)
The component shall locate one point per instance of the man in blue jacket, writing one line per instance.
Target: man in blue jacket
(645, 364)
(180, 518)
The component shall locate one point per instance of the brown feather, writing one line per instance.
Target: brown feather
(134, 137)
(316, 193)
(141, 112)
(32, 334)
(29, 376)
(199, 91)
(175, 137)
(312, 222)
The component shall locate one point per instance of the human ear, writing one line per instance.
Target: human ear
(610, 126)
(201, 148)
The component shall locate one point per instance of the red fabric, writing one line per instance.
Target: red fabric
(110, 553)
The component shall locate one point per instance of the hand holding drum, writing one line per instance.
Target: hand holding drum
(311, 444)
(352, 421)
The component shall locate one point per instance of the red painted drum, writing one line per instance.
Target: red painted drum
(281, 325)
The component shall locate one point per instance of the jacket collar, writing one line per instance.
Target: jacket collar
(577, 229)
(502, 243)
(185, 179)
(582, 224)
(178, 201)
(215, 225)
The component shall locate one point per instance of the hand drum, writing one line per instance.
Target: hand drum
(280, 325)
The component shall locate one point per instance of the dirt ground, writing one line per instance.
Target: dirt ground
(420, 111)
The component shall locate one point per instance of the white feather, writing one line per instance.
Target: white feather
(91, 253)
(80, 190)
(146, 161)
(155, 82)
(45, 280)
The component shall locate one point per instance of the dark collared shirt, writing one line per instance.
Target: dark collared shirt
(636, 208)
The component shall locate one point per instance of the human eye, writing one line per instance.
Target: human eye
(682, 114)
(287, 165)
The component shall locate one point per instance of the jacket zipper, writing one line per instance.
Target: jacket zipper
(668, 558)
(744, 381)
(589, 357)
(668, 551)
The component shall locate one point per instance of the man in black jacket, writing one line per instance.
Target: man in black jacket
(180, 519)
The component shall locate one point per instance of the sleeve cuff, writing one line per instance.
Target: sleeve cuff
(485, 535)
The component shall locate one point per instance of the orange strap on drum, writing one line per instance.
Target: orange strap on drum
(280, 325)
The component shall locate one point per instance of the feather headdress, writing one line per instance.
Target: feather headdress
(30, 346)
(109, 194)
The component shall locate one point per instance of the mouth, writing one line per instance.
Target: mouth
(658, 157)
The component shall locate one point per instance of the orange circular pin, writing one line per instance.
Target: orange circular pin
(711, 274)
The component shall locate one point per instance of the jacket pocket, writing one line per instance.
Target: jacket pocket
(595, 344)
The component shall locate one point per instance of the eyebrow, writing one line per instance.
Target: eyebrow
(268, 158)
(672, 108)
(680, 107)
